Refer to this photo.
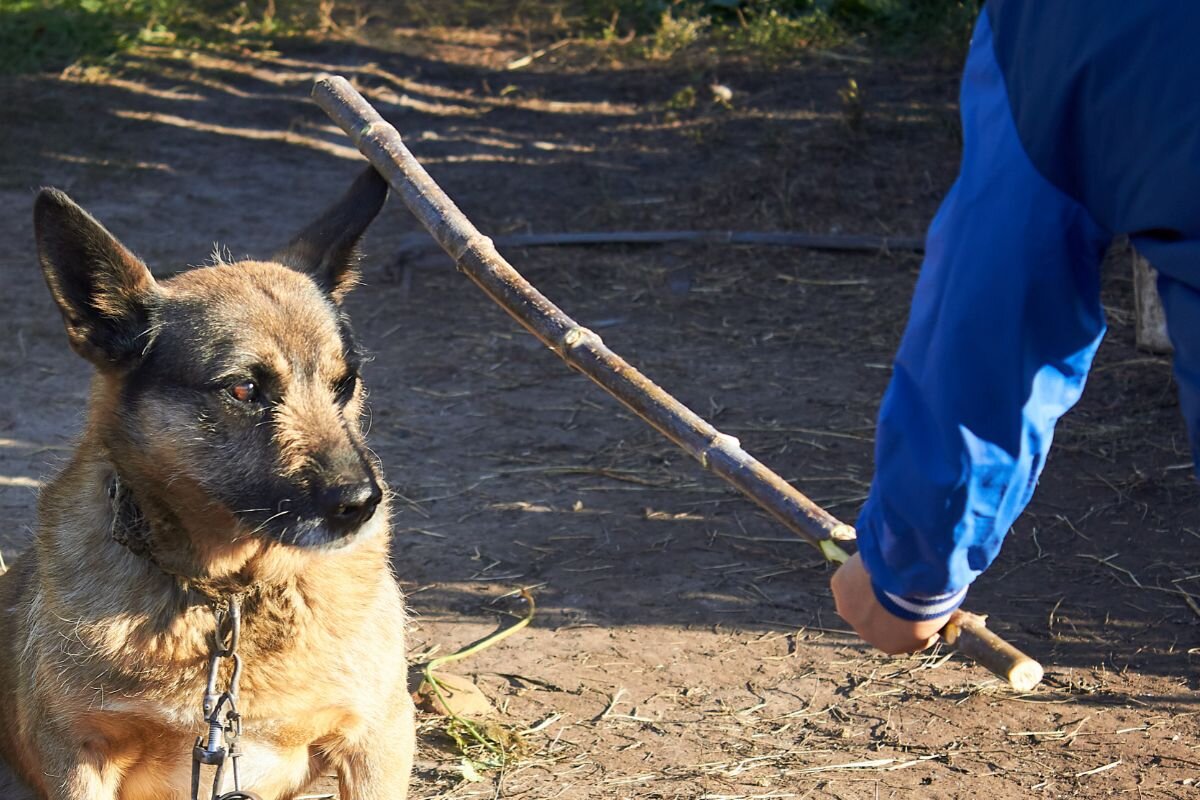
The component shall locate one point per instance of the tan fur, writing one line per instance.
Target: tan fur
(103, 655)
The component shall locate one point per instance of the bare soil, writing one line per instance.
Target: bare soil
(685, 646)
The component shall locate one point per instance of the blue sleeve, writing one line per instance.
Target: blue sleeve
(1005, 321)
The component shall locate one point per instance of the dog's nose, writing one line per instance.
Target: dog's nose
(347, 506)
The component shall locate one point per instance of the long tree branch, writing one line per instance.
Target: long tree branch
(582, 349)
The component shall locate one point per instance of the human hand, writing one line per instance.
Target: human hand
(856, 603)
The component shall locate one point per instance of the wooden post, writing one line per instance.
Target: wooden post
(1150, 322)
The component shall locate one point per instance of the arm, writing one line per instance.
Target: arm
(1004, 323)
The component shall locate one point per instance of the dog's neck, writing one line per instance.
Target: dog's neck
(131, 528)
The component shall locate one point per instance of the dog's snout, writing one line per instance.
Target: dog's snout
(347, 506)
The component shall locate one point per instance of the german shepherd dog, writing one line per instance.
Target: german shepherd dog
(222, 461)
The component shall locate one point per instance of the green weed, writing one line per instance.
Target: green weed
(775, 36)
(932, 26)
(38, 33)
(52, 34)
(676, 32)
(683, 100)
(852, 105)
(776, 29)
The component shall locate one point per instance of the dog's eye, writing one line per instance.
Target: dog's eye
(244, 392)
(344, 388)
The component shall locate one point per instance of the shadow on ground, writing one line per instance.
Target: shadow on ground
(512, 471)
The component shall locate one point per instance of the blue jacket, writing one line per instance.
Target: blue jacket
(1081, 121)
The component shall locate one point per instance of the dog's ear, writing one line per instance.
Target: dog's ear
(102, 289)
(326, 248)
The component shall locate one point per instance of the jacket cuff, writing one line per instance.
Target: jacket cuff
(919, 609)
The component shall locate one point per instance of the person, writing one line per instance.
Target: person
(1080, 122)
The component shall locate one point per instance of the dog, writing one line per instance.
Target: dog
(222, 469)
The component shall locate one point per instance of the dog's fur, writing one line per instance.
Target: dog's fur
(104, 642)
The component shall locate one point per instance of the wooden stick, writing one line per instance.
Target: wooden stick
(583, 350)
(970, 634)
(414, 243)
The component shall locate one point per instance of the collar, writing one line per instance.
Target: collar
(130, 529)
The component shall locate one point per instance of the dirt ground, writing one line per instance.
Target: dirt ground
(685, 646)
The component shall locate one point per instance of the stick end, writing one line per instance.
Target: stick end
(843, 533)
(1025, 674)
(969, 633)
(325, 82)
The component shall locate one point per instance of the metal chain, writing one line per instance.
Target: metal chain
(220, 745)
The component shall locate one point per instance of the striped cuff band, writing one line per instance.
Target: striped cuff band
(918, 609)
